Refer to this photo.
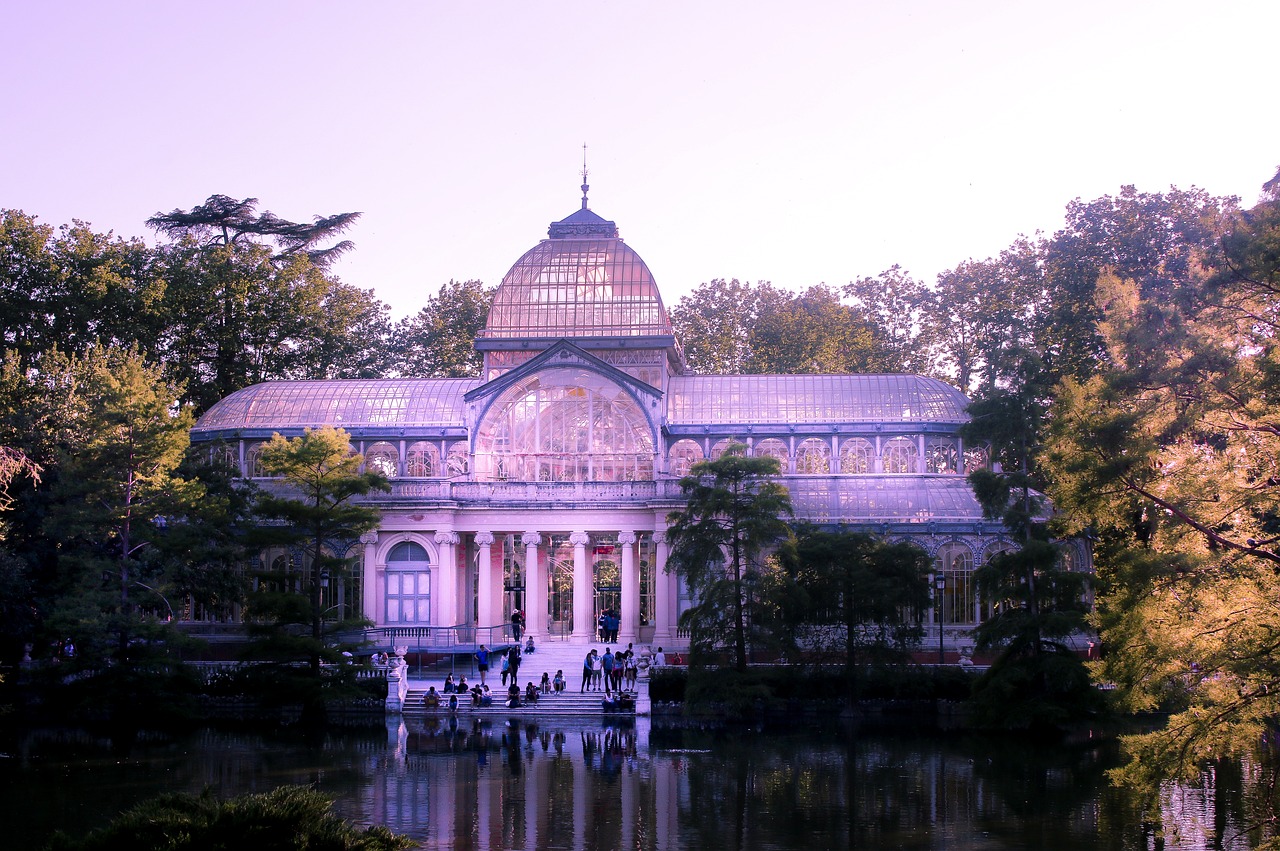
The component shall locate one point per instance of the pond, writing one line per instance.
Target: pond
(642, 784)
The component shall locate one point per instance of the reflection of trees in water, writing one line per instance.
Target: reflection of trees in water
(450, 782)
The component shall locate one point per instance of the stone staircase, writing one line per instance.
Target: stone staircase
(550, 656)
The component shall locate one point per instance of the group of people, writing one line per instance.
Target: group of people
(480, 693)
(612, 670)
(608, 626)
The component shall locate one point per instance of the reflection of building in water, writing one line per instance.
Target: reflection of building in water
(544, 484)
(613, 787)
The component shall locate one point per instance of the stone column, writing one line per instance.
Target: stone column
(369, 596)
(630, 613)
(664, 610)
(535, 586)
(446, 590)
(584, 627)
(484, 586)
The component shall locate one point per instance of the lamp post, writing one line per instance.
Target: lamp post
(940, 586)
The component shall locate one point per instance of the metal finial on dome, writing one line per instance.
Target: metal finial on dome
(585, 187)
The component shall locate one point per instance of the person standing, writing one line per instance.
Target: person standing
(513, 656)
(659, 658)
(586, 669)
(607, 666)
(517, 624)
(482, 662)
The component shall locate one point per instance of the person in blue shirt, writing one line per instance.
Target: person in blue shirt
(607, 661)
(482, 662)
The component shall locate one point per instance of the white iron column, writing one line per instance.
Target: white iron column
(484, 583)
(369, 578)
(664, 593)
(630, 589)
(584, 628)
(446, 590)
(535, 587)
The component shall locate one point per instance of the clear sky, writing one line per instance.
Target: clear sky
(794, 142)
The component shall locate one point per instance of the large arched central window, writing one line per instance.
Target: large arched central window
(564, 425)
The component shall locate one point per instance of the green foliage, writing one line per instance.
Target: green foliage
(439, 341)
(223, 221)
(1169, 454)
(859, 599)
(729, 327)
(118, 484)
(745, 693)
(236, 315)
(289, 817)
(317, 515)
(734, 513)
(1038, 681)
(72, 289)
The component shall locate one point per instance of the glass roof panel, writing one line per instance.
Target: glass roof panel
(578, 288)
(910, 499)
(393, 402)
(818, 399)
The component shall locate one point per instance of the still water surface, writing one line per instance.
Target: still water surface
(641, 785)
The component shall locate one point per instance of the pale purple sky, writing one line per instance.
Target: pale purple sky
(793, 142)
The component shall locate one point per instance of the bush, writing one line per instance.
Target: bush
(728, 690)
(291, 817)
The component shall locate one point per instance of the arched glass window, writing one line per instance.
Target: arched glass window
(857, 456)
(718, 448)
(773, 448)
(253, 462)
(954, 561)
(422, 460)
(813, 457)
(565, 425)
(458, 461)
(940, 455)
(684, 454)
(899, 455)
(975, 458)
(408, 585)
(383, 458)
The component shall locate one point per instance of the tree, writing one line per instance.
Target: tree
(117, 485)
(72, 288)
(227, 222)
(734, 514)
(319, 516)
(439, 341)
(863, 598)
(981, 313)
(1170, 455)
(894, 303)
(236, 316)
(713, 323)
(249, 300)
(812, 332)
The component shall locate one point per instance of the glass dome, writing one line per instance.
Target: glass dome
(815, 399)
(582, 282)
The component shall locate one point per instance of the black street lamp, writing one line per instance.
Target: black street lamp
(940, 584)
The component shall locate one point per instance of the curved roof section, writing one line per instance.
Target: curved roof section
(884, 499)
(816, 399)
(347, 403)
(582, 282)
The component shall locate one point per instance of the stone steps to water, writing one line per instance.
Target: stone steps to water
(549, 657)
